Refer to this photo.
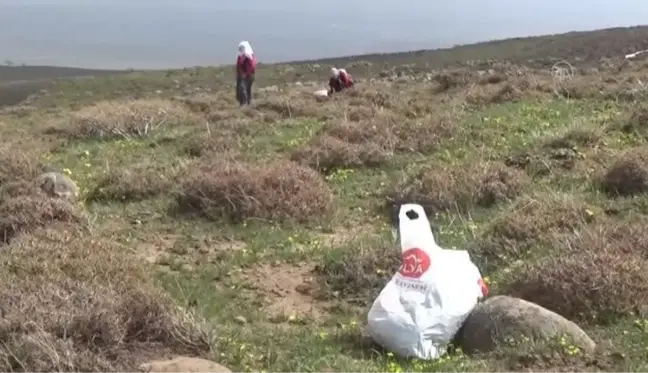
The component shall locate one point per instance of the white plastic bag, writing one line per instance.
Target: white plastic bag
(423, 306)
(321, 95)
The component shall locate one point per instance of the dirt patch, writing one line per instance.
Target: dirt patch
(288, 290)
(440, 187)
(628, 175)
(237, 191)
(156, 249)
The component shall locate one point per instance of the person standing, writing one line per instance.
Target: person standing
(245, 71)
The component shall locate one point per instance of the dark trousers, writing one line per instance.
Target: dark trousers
(244, 90)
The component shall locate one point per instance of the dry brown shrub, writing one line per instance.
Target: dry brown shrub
(326, 153)
(237, 191)
(358, 273)
(491, 79)
(582, 136)
(413, 135)
(110, 119)
(137, 182)
(16, 165)
(451, 79)
(532, 221)
(594, 286)
(628, 175)
(637, 122)
(461, 187)
(207, 102)
(494, 94)
(24, 208)
(296, 106)
(374, 95)
(213, 144)
(83, 304)
(624, 237)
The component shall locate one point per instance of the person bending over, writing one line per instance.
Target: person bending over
(339, 81)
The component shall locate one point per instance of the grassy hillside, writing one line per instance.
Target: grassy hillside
(259, 237)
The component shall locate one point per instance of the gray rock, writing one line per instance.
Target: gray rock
(502, 318)
(183, 364)
(56, 184)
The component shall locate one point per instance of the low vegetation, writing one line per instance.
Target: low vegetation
(259, 237)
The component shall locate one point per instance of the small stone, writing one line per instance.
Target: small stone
(241, 320)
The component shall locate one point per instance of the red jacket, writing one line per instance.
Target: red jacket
(245, 66)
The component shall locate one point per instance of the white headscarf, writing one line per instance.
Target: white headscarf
(245, 48)
(335, 73)
(343, 71)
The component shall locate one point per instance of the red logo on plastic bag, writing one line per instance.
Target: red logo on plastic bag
(483, 286)
(414, 263)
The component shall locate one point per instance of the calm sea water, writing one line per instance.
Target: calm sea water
(160, 34)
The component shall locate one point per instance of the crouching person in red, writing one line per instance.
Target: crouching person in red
(340, 80)
(245, 70)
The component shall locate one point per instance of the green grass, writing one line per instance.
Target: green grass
(234, 275)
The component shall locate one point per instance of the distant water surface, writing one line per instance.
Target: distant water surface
(161, 34)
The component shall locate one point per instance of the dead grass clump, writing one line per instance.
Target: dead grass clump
(15, 165)
(125, 119)
(637, 122)
(81, 304)
(594, 286)
(294, 107)
(453, 79)
(460, 187)
(361, 132)
(213, 144)
(238, 191)
(624, 237)
(494, 94)
(628, 175)
(24, 208)
(532, 221)
(137, 182)
(575, 138)
(204, 103)
(493, 78)
(358, 273)
(421, 135)
(326, 153)
(372, 96)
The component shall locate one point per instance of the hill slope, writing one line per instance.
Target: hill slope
(259, 237)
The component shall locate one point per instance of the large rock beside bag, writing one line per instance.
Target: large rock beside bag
(183, 364)
(502, 318)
